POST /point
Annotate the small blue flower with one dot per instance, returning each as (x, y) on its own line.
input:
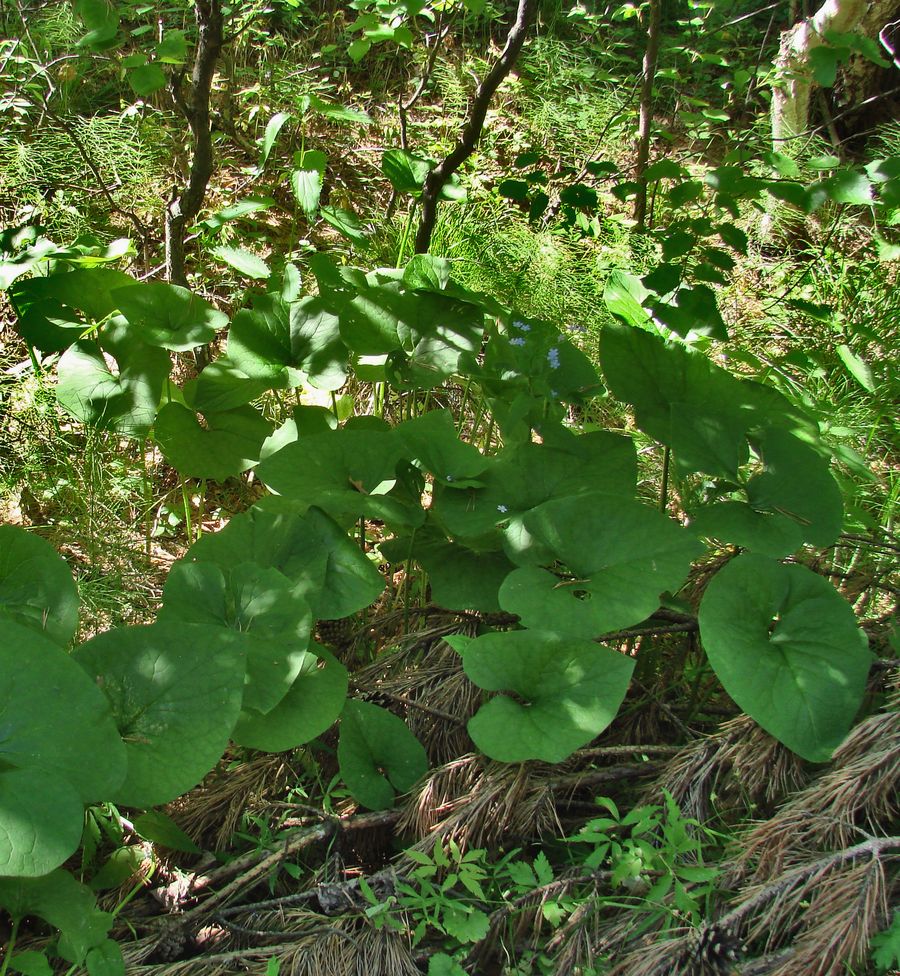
(502, 509)
(553, 357)
(517, 342)
(448, 477)
(554, 394)
(521, 326)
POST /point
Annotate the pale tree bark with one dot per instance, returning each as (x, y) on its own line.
(794, 83)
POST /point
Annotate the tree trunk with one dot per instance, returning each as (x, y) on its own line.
(186, 203)
(645, 121)
(471, 131)
(794, 84)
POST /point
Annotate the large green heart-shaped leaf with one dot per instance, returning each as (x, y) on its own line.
(786, 647)
(623, 556)
(36, 585)
(123, 397)
(228, 444)
(461, 577)
(49, 307)
(679, 397)
(270, 619)
(292, 338)
(64, 903)
(405, 171)
(797, 484)
(311, 549)
(572, 690)
(525, 476)
(309, 708)
(369, 322)
(168, 315)
(436, 333)
(222, 385)
(347, 472)
(58, 750)
(432, 441)
(378, 754)
(771, 534)
(175, 691)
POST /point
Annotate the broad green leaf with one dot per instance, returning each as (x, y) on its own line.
(622, 555)
(105, 959)
(172, 49)
(58, 750)
(289, 339)
(168, 315)
(786, 647)
(273, 127)
(338, 113)
(310, 549)
(168, 685)
(568, 691)
(406, 171)
(222, 385)
(347, 223)
(856, 367)
(146, 79)
(49, 307)
(624, 296)
(771, 534)
(432, 442)
(124, 401)
(307, 179)
(377, 754)
(36, 585)
(824, 62)
(310, 707)
(243, 208)
(30, 962)
(250, 265)
(797, 484)
(695, 311)
(160, 828)
(228, 443)
(270, 619)
(461, 576)
(437, 333)
(348, 473)
(525, 476)
(428, 272)
(846, 186)
(101, 20)
(680, 398)
(64, 903)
